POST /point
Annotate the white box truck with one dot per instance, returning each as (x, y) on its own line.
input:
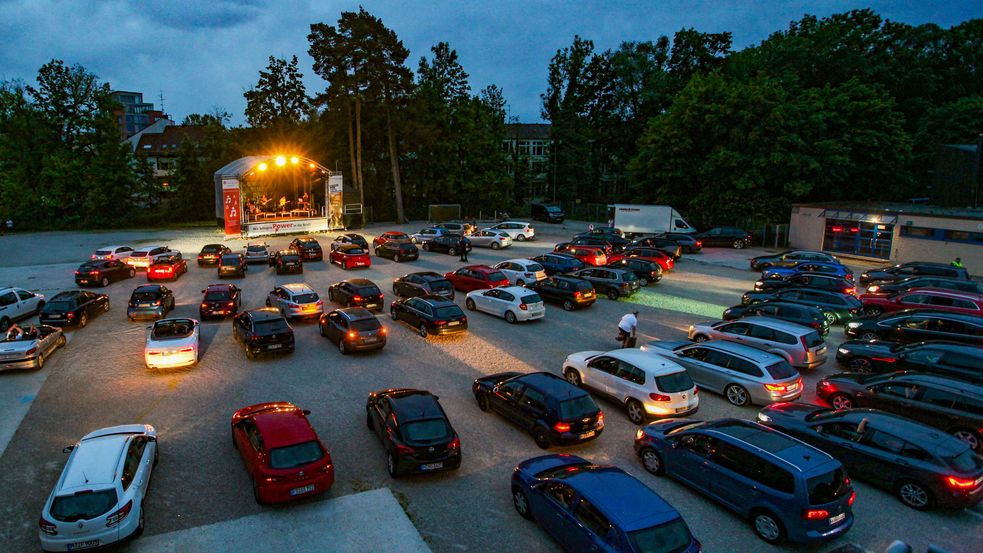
(636, 219)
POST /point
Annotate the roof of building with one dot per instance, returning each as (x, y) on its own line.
(529, 131)
(899, 208)
(166, 143)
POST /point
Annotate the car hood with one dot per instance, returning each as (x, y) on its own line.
(17, 346)
(172, 344)
(791, 411)
(537, 465)
(580, 358)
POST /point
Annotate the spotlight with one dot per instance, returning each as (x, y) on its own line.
(311, 165)
(294, 160)
(281, 161)
(262, 167)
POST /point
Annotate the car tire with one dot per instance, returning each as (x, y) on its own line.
(642, 281)
(133, 273)
(613, 294)
(738, 244)
(104, 282)
(568, 305)
(914, 495)
(510, 317)
(397, 258)
(140, 526)
(869, 336)
(342, 347)
(971, 438)
(737, 395)
(426, 246)
(572, 376)
(469, 303)
(422, 331)
(872, 310)
(841, 401)
(451, 251)
(542, 437)
(256, 493)
(700, 338)
(250, 354)
(859, 365)
(830, 317)
(767, 526)
(40, 361)
(62, 341)
(391, 467)
(83, 320)
(368, 420)
(4, 324)
(520, 238)
(495, 245)
(635, 411)
(393, 314)
(521, 503)
(652, 461)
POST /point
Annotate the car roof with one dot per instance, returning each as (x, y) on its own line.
(949, 345)
(521, 261)
(480, 268)
(94, 461)
(109, 247)
(298, 287)
(219, 287)
(516, 222)
(913, 431)
(778, 324)
(283, 426)
(551, 384)
(75, 294)
(148, 248)
(215, 246)
(777, 444)
(924, 264)
(621, 497)
(648, 361)
(515, 290)
(411, 405)
(436, 301)
(950, 384)
(356, 313)
(937, 313)
(948, 292)
(429, 276)
(748, 352)
(144, 288)
(265, 314)
(359, 282)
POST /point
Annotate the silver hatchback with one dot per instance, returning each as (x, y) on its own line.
(801, 346)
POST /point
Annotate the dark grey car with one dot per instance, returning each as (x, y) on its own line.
(614, 283)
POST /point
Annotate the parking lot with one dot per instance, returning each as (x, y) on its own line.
(99, 380)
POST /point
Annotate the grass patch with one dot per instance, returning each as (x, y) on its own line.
(677, 304)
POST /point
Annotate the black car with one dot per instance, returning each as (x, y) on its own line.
(350, 238)
(806, 280)
(287, 261)
(356, 292)
(308, 248)
(905, 284)
(894, 273)
(547, 213)
(559, 263)
(415, 431)
(430, 315)
(918, 325)
(353, 329)
(790, 258)
(666, 245)
(447, 243)
(211, 253)
(687, 242)
(922, 466)
(938, 357)
(727, 237)
(74, 307)
(551, 409)
(152, 301)
(950, 404)
(609, 243)
(102, 272)
(836, 307)
(232, 264)
(614, 283)
(263, 330)
(422, 284)
(398, 251)
(648, 272)
(219, 300)
(572, 293)
(792, 312)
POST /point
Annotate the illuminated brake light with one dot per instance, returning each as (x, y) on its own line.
(523, 307)
(659, 397)
(562, 427)
(357, 298)
(960, 483)
(383, 330)
(853, 496)
(576, 294)
(884, 359)
(782, 388)
(404, 450)
(187, 350)
(815, 514)
(352, 334)
(455, 444)
(118, 516)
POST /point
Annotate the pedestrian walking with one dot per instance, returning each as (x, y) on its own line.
(462, 245)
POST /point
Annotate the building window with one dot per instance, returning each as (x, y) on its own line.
(918, 232)
(858, 238)
(943, 235)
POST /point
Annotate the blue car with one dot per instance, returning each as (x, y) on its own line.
(815, 267)
(785, 488)
(559, 263)
(588, 507)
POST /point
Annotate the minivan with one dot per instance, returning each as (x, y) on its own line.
(801, 346)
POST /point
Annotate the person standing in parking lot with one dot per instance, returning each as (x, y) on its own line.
(462, 245)
(627, 328)
(957, 263)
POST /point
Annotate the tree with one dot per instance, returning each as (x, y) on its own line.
(279, 97)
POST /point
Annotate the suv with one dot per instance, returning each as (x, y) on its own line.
(446, 243)
(17, 304)
(415, 432)
(219, 300)
(732, 237)
(295, 300)
(551, 409)
(521, 272)
(904, 284)
(547, 213)
(422, 284)
(836, 307)
(263, 331)
(430, 315)
(141, 258)
(807, 280)
(790, 258)
(786, 488)
(150, 300)
(928, 298)
(100, 496)
(917, 325)
(688, 242)
(558, 263)
(232, 264)
(801, 346)
(647, 271)
(356, 292)
(615, 283)
(476, 277)
(915, 268)
(210, 254)
(307, 247)
(572, 293)
(397, 251)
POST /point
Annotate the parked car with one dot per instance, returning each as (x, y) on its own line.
(558, 263)
(427, 234)
(785, 311)
(518, 230)
(167, 267)
(211, 253)
(353, 329)
(513, 303)
(836, 307)
(905, 284)
(801, 346)
(102, 273)
(257, 252)
(112, 252)
(589, 507)
(296, 300)
(219, 300)
(232, 264)
(74, 307)
(287, 261)
(939, 299)
(810, 267)
(172, 344)
(893, 273)
(398, 251)
(476, 277)
(588, 255)
(494, 239)
(308, 248)
(570, 292)
(597, 231)
(459, 228)
(743, 374)
(422, 284)
(949, 404)
(547, 213)
(521, 271)
(610, 244)
(349, 238)
(30, 350)
(648, 272)
(17, 304)
(430, 315)
(142, 257)
(727, 237)
(550, 409)
(687, 242)
(654, 255)
(446, 243)
(645, 384)
(807, 280)
(613, 283)
(918, 325)
(416, 434)
(153, 301)
(944, 358)
(351, 256)
(784, 487)
(390, 235)
(356, 292)
(263, 330)
(669, 247)
(281, 451)
(99, 498)
(790, 258)
(920, 465)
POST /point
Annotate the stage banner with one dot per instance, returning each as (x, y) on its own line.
(232, 206)
(286, 227)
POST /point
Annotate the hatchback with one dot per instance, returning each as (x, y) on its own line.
(476, 277)
(422, 284)
(447, 243)
(801, 346)
(430, 315)
(286, 261)
(232, 264)
(210, 254)
(513, 303)
(790, 312)
(588, 255)
(172, 344)
(397, 251)
(353, 329)
(558, 263)
(521, 272)
(74, 307)
(219, 300)
(688, 242)
(645, 384)
(494, 239)
(939, 357)
(588, 507)
(112, 252)
(167, 267)
(102, 273)
(425, 235)
(296, 300)
(924, 298)
(308, 248)
(390, 235)
(350, 256)
(415, 432)
(349, 238)
(786, 488)
(459, 228)
(648, 272)
(152, 301)
(142, 257)
(572, 293)
(518, 230)
(356, 292)
(644, 246)
(652, 255)
(613, 283)
(894, 273)
(836, 307)
(918, 325)
(263, 331)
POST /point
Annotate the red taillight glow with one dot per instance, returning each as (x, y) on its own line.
(851, 291)
(782, 388)
(853, 496)
(404, 450)
(815, 514)
(455, 444)
(696, 390)
(383, 330)
(438, 323)
(233, 304)
(523, 307)
(884, 359)
(118, 516)
(48, 527)
(660, 397)
(699, 242)
(576, 294)
(187, 350)
(204, 305)
(960, 483)
(357, 298)
(562, 427)
(352, 334)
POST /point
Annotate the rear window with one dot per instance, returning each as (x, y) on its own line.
(449, 312)
(354, 251)
(535, 267)
(272, 326)
(496, 275)
(140, 253)
(675, 382)
(813, 339)
(426, 430)
(365, 325)
(828, 487)
(61, 305)
(256, 249)
(671, 537)
(173, 330)
(84, 506)
(368, 291)
(306, 298)
(145, 296)
(217, 296)
(583, 286)
(295, 455)
(230, 259)
(967, 461)
(103, 252)
(781, 370)
(577, 407)
(531, 298)
(440, 285)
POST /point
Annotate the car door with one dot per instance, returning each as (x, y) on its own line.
(687, 459)
(592, 530)
(380, 413)
(505, 301)
(895, 397)
(600, 373)
(548, 289)
(735, 332)
(411, 315)
(27, 302)
(693, 359)
(276, 297)
(504, 399)
(717, 373)
(734, 473)
(554, 505)
(877, 452)
(625, 381)
(840, 439)
(934, 407)
(530, 408)
(10, 306)
(337, 325)
(483, 300)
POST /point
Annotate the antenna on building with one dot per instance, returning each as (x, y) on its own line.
(160, 96)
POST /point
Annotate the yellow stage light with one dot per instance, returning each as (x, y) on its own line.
(281, 161)
(311, 165)
(262, 167)
(294, 160)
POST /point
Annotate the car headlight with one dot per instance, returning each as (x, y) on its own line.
(763, 417)
(853, 324)
(844, 351)
(639, 433)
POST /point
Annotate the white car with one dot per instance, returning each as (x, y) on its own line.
(647, 384)
(514, 303)
(522, 271)
(296, 300)
(31, 349)
(99, 497)
(17, 304)
(112, 252)
(518, 230)
(172, 343)
(257, 252)
(494, 239)
(142, 257)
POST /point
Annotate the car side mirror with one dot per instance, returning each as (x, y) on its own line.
(67, 449)
(674, 444)
(495, 389)
(306, 411)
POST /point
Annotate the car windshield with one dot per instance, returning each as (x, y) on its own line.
(671, 537)
(306, 298)
(965, 462)
(272, 326)
(83, 506)
(218, 296)
(813, 339)
(531, 298)
(295, 455)
(449, 312)
(353, 251)
(368, 291)
(173, 330)
(166, 261)
(781, 370)
(828, 487)
(535, 267)
(675, 382)
(230, 259)
(496, 275)
(365, 325)
(582, 406)
(145, 296)
(426, 430)
(397, 236)
(440, 285)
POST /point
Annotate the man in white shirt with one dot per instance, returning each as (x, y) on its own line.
(626, 329)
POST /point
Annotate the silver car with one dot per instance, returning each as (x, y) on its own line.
(296, 300)
(494, 239)
(801, 346)
(426, 235)
(743, 374)
(30, 350)
(257, 252)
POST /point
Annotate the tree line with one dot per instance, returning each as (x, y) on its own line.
(846, 107)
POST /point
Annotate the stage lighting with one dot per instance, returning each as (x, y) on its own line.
(311, 165)
(294, 160)
(262, 167)
(281, 161)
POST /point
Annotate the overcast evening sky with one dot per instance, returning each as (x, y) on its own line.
(203, 54)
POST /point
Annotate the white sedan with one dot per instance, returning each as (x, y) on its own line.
(172, 343)
(513, 303)
(518, 230)
(112, 252)
(522, 271)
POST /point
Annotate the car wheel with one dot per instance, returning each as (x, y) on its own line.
(738, 244)
(139, 531)
(521, 503)
(426, 246)
(873, 311)
(469, 303)
(4, 324)
(320, 330)
(342, 347)
(573, 377)
(700, 338)
(568, 305)
(61, 341)
(451, 251)
(642, 281)
(652, 461)
(737, 395)
(495, 245)
(393, 314)
(542, 437)
(40, 361)
(368, 420)
(104, 282)
(869, 336)
(105, 306)
(249, 353)
(391, 465)
(256, 493)
(914, 495)
(397, 258)
(268, 304)
(841, 401)
(423, 330)
(520, 238)
(132, 273)
(768, 527)
(859, 365)
(971, 438)
(510, 317)
(83, 320)
(613, 294)
(482, 401)
(635, 411)
(830, 318)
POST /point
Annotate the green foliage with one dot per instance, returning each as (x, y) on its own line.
(279, 97)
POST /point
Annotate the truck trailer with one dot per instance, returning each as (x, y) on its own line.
(637, 219)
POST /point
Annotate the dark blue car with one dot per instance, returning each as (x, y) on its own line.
(786, 488)
(559, 263)
(815, 267)
(588, 507)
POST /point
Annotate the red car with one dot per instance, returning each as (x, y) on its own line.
(350, 255)
(924, 298)
(167, 267)
(660, 258)
(476, 277)
(390, 235)
(281, 451)
(591, 255)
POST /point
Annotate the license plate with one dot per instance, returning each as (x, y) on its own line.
(586, 435)
(837, 518)
(453, 323)
(83, 545)
(372, 305)
(682, 409)
(432, 466)
(369, 339)
(274, 346)
(55, 315)
(305, 489)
